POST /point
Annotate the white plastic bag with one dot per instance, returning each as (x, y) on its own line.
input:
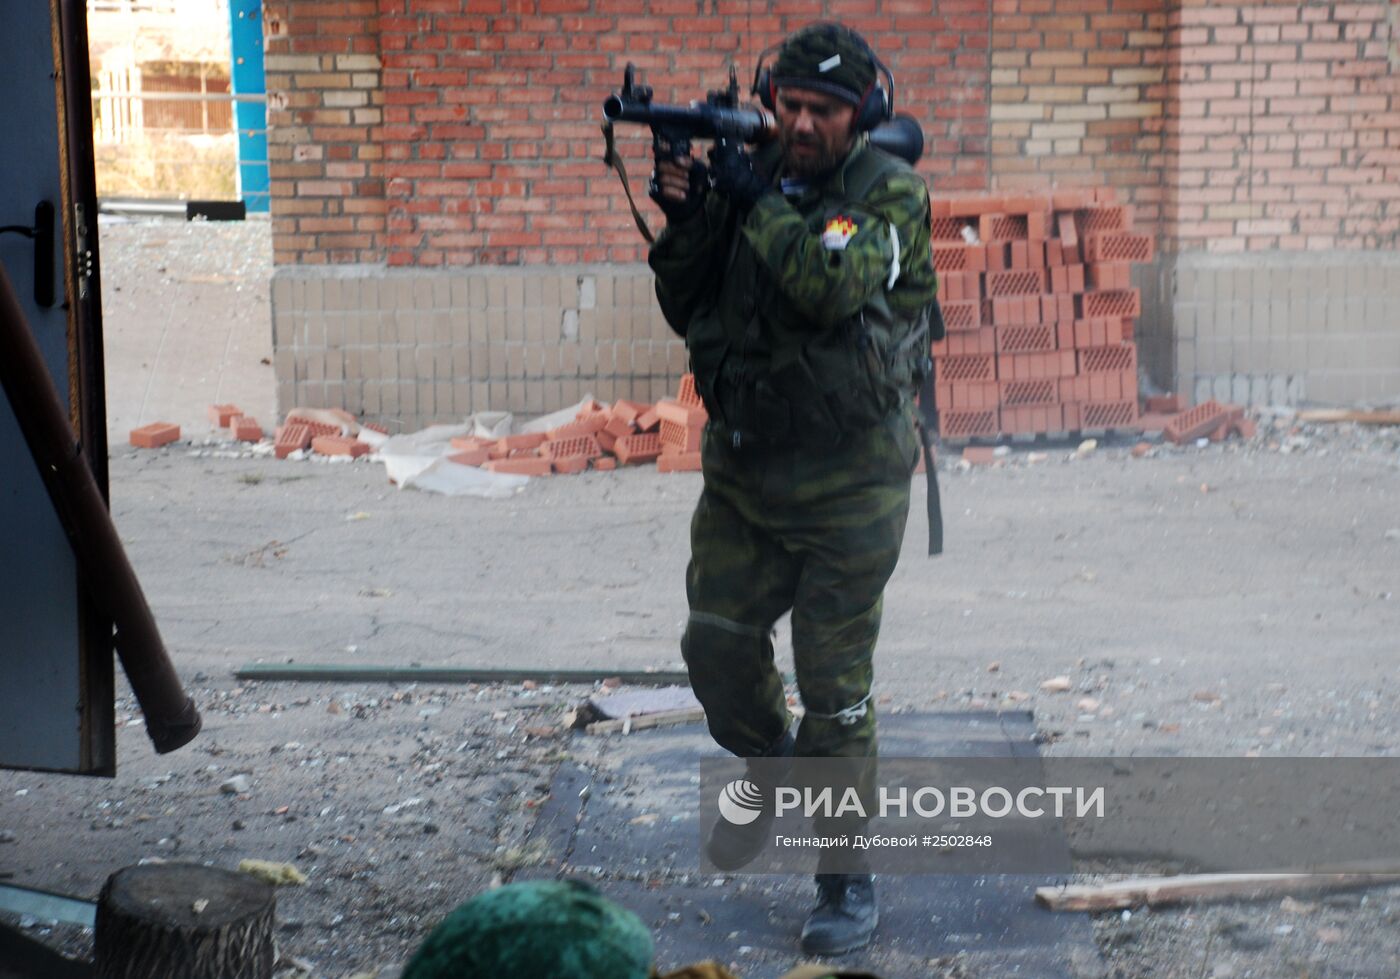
(419, 460)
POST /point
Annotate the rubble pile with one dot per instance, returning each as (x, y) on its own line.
(599, 437)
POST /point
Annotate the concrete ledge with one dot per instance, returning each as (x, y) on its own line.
(418, 346)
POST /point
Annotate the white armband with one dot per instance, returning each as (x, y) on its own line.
(894, 262)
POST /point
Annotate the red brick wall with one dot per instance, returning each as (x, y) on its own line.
(1284, 126)
(461, 132)
(1078, 97)
(324, 118)
(477, 140)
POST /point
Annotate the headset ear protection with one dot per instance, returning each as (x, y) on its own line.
(875, 107)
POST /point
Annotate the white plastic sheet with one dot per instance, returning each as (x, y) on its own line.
(419, 459)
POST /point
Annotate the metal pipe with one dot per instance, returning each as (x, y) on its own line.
(172, 720)
(151, 96)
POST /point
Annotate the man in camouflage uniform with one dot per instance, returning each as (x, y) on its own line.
(801, 280)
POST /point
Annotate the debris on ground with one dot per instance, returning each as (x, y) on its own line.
(624, 711)
(624, 703)
(154, 435)
(277, 874)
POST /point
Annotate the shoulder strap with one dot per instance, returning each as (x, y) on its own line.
(867, 170)
(614, 161)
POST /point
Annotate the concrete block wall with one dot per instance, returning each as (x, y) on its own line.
(1286, 327)
(419, 346)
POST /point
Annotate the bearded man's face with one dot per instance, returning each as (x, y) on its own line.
(816, 130)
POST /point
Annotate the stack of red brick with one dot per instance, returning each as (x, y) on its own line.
(1039, 307)
(600, 437)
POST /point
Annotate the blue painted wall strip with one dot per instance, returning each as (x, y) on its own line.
(245, 34)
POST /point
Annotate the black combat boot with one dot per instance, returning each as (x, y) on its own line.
(845, 916)
(731, 847)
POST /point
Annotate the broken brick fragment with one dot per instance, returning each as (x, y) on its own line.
(678, 462)
(585, 425)
(571, 465)
(471, 457)
(339, 445)
(317, 428)
(510, 445)
(579, 447)
(154, 435)
(292, 437)
(524, 466)
(628, 411)
(679, 413)
(1165, 403)
(221, 415)
(638, 448)
(619, 425)
(1199, 421)
(245, 429)
(679, 438)
(687, 393)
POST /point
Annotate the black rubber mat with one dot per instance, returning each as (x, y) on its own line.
(622, 813)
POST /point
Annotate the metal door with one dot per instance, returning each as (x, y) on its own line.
(56, 667)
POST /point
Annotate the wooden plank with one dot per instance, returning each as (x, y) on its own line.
(1391, 417)
(665, 718)
(1157, 891)
(339, 672)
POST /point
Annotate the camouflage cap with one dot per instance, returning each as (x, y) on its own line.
(536, 929)
(829, 58)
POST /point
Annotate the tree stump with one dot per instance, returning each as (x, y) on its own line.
(176, 919)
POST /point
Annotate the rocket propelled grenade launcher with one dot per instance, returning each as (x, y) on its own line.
(721, 118)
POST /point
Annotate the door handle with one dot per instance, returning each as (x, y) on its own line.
(42, 235)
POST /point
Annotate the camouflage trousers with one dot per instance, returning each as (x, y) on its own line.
(813, 530)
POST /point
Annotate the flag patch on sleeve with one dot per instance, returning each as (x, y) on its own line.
(839, 230)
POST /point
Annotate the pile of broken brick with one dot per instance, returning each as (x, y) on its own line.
(1209, 420)
(626, 433)
(600, 437)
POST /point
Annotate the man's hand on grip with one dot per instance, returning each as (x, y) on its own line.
(734, 175)
(679, 182)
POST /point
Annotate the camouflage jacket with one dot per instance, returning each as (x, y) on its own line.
(810, 313)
